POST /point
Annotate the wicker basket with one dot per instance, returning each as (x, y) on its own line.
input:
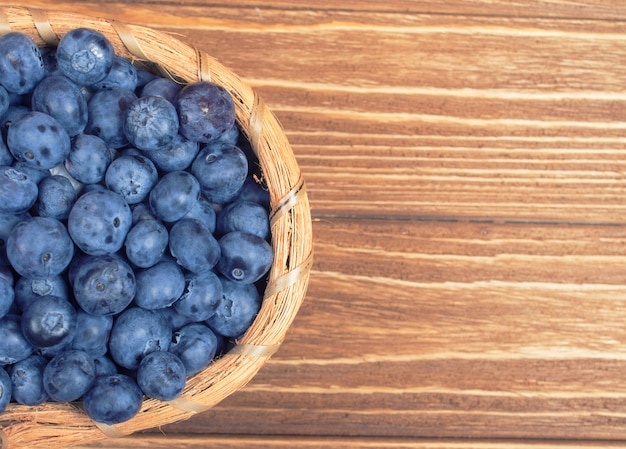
(54, 425)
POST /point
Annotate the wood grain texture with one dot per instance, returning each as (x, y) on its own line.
(465, 163)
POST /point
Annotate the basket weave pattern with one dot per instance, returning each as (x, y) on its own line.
(52, 425)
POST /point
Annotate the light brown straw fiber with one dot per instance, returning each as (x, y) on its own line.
(53, 425)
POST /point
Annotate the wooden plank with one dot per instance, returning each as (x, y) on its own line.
(278, 442)
(602, 9)
(459, 330)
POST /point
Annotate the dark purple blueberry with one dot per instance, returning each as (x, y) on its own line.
(146, 243)
(99, 222)
(18, 191)
(107, 112)
(161, 375)
(39, 247)
(56, 197)
(27, 380)
(178, 155)
(245, 216)
(163, 87)
(221, 170)
(104, 366)
(6, 389)
(92, 333)
(239, 305)
(122, 74)
(69, 375)
(7, 223)
(85, 56)
(136, 333)
(29, 290)
(7, 296)
(205, 111)
(174, 195)
(196, 346)
(58, 96)
(131, 176)
(49, 321)
(201, 295)
(151, 123)
(103, 284)
(89, 159)
(113, 399)
(39, 140)
(244, 258)
(160, 285)
(21, 63)
(194, 246)
(204, 212)
(13, 346)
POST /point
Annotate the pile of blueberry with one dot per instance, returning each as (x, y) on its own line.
(134, 230)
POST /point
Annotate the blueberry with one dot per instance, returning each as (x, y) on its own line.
(103, 284)
(18, 191)
(160, 285)
(136, 333)
(221, 170)
(56, 197)
(146, 243)
(6, 158)
(174, 195)
(205, 110)
(29, 290)
(239, 305)
(151, 123)
(6, 274)
(7, 223)
(99, 222)
(107, 112)
(177, 155)
(6, 389)
(175, 319)
(21, 63)
(14, 112)
(13, 346)
(104, 366)
(85, 56)
(161, 375)
(34, 173)
(88, 159)
(142, 211)
(113, 399)
(58, 96)
(244, 258)
(204, 212)
(163, 87)
(39, 247)
(7, 295)
(245, 216)
(27, 380)
(122, 74)
(194, 246)
(200, 297)
(48, 321)
(92, 333)
(69, 375)
(38, 140)
(132, 177)
(5, 101)
(196, 346)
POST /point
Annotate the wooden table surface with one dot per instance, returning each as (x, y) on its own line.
(466, 167)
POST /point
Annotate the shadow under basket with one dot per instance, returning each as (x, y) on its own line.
(56, 425)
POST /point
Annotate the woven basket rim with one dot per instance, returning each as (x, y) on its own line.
(62, 425)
